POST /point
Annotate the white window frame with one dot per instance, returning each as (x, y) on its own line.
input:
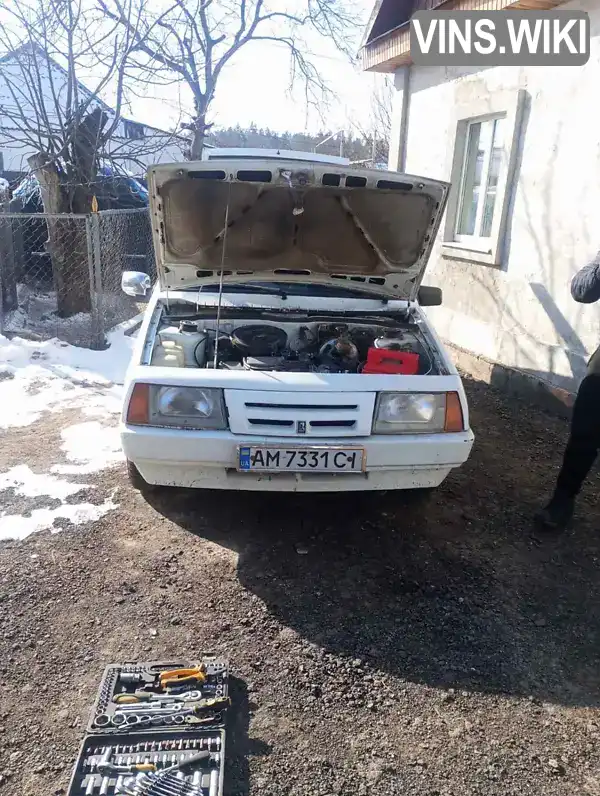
(488, 250)
(476, 241)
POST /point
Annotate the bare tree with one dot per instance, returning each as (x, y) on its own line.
(63, 129)
(381, 107)
(381, 118)
(193, 41)
(43, 103)
(377, 126)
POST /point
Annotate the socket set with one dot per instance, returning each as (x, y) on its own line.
(173, 695)
(190, 764)
(156, 729)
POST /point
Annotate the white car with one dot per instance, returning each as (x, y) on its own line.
(284, 347)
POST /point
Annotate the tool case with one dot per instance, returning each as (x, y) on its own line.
(147, 721)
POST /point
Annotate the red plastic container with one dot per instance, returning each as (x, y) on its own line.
(384, 360)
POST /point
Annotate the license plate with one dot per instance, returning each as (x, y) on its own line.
(300, 460)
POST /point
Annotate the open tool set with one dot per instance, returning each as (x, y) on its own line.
(156, 729)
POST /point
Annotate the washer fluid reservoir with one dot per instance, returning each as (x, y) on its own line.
(168, 354)
(179, 344)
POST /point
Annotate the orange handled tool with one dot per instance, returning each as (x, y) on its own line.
(182, 676)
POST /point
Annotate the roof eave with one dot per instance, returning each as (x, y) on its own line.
(392, 49)
(369, 26)
(388, 51)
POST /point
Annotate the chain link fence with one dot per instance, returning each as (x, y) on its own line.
(121, 241)
(60, 275)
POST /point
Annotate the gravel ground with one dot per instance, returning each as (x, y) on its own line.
(378, 646)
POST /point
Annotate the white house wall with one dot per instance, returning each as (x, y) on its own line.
(153, 148)
(18, 102)
(521, 314)
(156, 147)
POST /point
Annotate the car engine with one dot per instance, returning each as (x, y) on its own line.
(311, 347)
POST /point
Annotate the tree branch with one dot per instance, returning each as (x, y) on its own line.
(141, 40)
(195, 40)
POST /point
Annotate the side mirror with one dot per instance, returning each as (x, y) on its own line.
(135, 283)
(429, 296)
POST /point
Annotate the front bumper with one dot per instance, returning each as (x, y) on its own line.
(208, 460)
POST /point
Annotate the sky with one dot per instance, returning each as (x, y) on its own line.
(255, 88)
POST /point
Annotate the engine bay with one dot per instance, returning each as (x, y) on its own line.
(352, 346)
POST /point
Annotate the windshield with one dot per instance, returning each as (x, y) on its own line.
(291, 289)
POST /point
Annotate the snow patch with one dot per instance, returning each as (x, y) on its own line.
(90, 447)
(30, 484)
(15, 526)
(52, 375)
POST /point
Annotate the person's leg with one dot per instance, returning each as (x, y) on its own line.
(580, 454)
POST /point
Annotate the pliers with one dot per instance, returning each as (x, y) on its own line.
(176, 677)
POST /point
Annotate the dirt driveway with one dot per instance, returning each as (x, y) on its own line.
(378, 648)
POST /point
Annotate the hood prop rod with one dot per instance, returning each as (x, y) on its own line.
(224, 246)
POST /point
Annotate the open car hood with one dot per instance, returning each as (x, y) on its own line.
(281, 220)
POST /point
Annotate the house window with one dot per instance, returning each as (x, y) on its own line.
(482, 159)
(134, 131)
(479, 179)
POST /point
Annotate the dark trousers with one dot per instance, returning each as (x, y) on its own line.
(584, 441)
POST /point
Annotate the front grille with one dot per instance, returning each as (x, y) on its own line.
(257, 421)
(299, 414)
(321, 407)
(332, 423)
(270, 421)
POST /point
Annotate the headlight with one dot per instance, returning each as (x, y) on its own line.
(410, 413)
(188, 407)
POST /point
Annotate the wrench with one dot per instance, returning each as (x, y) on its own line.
(147, 696)
(145, 708)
